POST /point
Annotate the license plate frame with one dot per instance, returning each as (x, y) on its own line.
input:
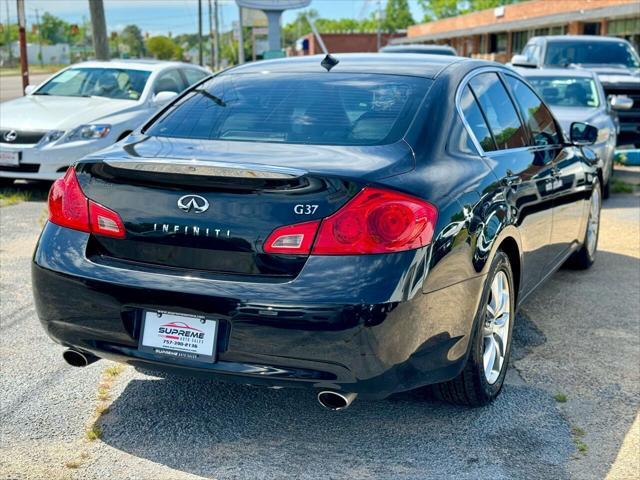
(179, 336)
(9, 158)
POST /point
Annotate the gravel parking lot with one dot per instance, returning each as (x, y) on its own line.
(569, 408)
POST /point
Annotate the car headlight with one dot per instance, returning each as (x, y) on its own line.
(88, 132)
(51, 136)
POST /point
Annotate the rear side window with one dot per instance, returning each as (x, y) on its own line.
(169, 81)
(499, 111)
(323, 109)
(475, 120)
(193, 75)
(535, 113)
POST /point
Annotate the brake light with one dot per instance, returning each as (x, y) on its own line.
(70, 208)
(293, 239)
(377, 221)
(374, 221)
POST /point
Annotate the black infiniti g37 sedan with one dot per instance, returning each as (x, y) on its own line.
(359, 230)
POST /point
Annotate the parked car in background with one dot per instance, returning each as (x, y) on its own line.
(420, 48)
(614, 61)
(577, 96)
(363, 231)
(81, 109)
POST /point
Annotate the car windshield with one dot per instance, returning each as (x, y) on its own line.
(565, 53)
(116, 83)
(323, 109)
(567, 91)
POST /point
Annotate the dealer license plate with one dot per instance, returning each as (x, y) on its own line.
(179, 336)
(9, 158)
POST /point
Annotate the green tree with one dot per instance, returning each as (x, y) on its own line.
(397, 16)
(436, 9)
(53, 29)
(163, 48)
(131, 36)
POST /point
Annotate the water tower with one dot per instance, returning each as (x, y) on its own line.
(273, 10)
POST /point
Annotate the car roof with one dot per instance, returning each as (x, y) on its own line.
(555, 72)
(578, 38)
(415, 64)
(135, 64)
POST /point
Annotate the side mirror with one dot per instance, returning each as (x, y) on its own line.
(162, 98)
(522, 61)
(620, 102)
(30, 89)
(582, 134)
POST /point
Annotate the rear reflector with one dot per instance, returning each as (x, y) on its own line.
(293, 239)
(374, 221)
(70, 208)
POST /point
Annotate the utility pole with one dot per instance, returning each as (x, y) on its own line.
(22, 36)
(211, 42)
(99, 29)
(7, 36)
(216, 44)
(240, 37)
(200, 51)
(39, 38)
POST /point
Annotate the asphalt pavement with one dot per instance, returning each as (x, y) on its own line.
(11, 85)
(576, 339)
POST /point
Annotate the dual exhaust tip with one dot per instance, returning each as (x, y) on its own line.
(78, 359)
(329, 399)
(335, 401)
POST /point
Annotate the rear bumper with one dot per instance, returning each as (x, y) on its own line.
(358, 324)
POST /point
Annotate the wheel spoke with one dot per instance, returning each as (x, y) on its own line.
(489, 356)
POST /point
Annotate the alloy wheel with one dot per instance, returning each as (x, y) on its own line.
(496, 327)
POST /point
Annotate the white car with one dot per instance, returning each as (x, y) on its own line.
(81, 109)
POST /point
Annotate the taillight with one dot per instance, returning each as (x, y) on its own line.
(377, 221)
(70, 208)
(293, 239)
(374, 221)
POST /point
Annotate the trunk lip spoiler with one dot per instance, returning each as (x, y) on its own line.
(207, 168)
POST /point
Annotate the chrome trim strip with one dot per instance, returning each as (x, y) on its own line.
(206, 168)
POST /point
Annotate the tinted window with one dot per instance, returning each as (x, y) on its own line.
(336, 109)
(499, 111)
(530, 52)
(567, 91)
(567, 52)
(97, 82)
(474, 118)
(193, 75)
(169, 81)
(535, 113)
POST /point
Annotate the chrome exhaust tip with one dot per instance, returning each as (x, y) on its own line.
(78, 359)
(335, 400)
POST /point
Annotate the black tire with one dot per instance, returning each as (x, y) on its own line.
(584, 258)
(471, 386)
(6, 182)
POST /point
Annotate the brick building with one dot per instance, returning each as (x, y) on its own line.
(343, 43)
(499, 33)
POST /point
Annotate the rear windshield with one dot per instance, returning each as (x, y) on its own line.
(567, 91)
(565, 53)
(321, 109)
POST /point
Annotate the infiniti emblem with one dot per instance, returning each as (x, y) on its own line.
(11, 135)
(193, 202)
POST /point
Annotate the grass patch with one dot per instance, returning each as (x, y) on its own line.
(93, 433)
(560, 398)
(113, 371)
(578, 434)
(618, 186)
(33, 70)
(11, 196)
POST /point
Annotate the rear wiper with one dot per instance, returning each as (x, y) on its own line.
(217, 100)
